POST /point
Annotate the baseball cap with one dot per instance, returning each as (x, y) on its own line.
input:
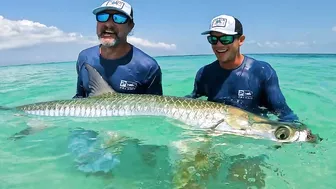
(225, 24)
(117, 5)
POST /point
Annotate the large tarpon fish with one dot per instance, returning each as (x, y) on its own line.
(199, 114)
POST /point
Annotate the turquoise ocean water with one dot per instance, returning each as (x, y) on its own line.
(148, 158)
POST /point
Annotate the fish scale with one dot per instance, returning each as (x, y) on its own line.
(104, 101)
(193, 112)
(197, 114)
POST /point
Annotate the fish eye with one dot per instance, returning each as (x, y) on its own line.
(282, 133)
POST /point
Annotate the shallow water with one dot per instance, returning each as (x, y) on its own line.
(148, 157)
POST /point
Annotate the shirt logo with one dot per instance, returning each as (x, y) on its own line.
(219, 22)
(128, 85)
(117, 4)
(245, 94)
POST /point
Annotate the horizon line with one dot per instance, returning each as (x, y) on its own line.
(181, 55)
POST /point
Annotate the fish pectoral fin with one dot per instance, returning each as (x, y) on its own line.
(98, 86)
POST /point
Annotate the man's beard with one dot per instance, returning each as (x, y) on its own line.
(109, 42)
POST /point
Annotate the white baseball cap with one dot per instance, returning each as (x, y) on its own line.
(225, 24)
(117, 5)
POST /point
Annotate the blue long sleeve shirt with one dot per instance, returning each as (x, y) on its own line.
(136, 72)
(253, 86)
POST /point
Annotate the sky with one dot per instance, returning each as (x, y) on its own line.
(37, 31)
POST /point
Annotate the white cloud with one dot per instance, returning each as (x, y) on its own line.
(251, 42)
(146, 43)
(272, 44)
(298, 43)
(278, 44)
(26, 33)
(333, 28)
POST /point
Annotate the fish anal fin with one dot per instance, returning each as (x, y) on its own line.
(98, 86)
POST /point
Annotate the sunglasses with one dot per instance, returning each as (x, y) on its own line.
(224, 39)
(117, 18)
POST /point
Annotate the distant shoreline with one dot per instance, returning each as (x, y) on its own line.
(190, 55)
(250, 54)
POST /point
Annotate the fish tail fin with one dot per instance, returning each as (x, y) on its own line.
(34, 126)
(23, 133)
(3, 108)
(20, 134)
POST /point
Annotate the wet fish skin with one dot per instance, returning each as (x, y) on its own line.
(190, 111)
(198, 114)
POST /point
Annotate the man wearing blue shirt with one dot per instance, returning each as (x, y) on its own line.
(126, 68)
(241, 81)
(237, 79)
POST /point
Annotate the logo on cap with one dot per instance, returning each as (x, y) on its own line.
(118, 4)
(219, 22)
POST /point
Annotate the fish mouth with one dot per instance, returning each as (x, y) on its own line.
(311, 138)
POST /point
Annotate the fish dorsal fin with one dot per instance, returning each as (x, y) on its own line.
(98, 86)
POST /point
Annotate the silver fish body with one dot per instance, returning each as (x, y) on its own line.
(197, 113)
(200, 114)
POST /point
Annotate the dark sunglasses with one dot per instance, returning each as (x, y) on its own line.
(224, 39)
(118, 18)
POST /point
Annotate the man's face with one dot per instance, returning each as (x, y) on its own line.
(113, 28)
(226, 52)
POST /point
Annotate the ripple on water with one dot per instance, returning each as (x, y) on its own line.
(42, 160)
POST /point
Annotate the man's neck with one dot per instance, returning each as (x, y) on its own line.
(115, 52)
(234, 63)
